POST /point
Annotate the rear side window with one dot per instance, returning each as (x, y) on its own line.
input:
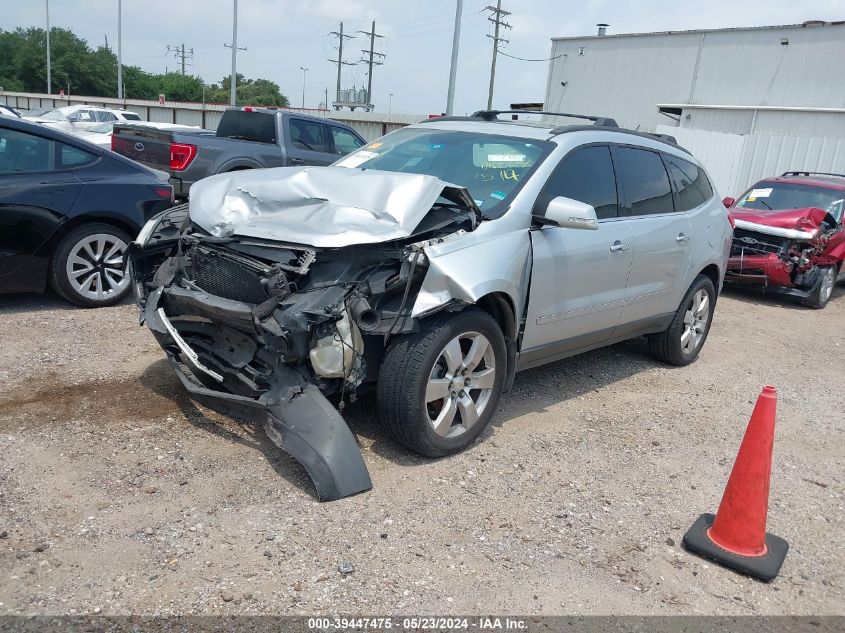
(73, 157)
(104, 117)
(308, 135)
(131, 116)
(259, 127)
(21, 152)
(692, 189)
(344, 140)
(644, 181)
(585, 175)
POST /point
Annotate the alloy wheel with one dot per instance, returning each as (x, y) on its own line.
(828, 281)
(95, 267)
(460, 385)
(695, 321)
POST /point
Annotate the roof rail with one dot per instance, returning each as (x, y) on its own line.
(493, 115)
(810, 173)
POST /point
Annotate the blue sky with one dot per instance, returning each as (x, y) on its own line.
(282, 35)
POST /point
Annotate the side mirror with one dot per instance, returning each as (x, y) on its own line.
(569, 214)
(728, 202)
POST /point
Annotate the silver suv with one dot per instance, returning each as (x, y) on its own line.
(429, 266)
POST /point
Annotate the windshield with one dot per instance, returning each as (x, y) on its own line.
(782, 196)
(492, 168)
(54, 115)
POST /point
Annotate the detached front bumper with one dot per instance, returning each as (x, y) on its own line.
(769, 274)
(294, 412)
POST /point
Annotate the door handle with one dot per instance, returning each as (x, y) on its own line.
(682, 237)
(618, 247)
(296, 161)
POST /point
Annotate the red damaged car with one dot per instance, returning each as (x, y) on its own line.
(789, 236)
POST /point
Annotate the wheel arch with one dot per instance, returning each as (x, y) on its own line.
(713, 273)
(499, 305)
(81, 220)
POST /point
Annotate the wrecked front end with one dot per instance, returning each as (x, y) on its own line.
(783, 253)
(276, 333)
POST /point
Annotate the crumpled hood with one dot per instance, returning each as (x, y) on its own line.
(317, 206)
(806, 220)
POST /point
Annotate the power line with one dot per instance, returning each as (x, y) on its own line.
(496, 15)
(181, 55)
(371, 62)
(339, 61)
(523, 59)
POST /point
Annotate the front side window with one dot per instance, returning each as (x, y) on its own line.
(308, 135)
(21, 152)
(585, 175)
(491, 167)
(344, 140)
(644, 181)
(690, 183)
(104, 117)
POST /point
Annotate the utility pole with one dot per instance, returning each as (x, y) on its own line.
(304, 70)
(496, 15)
(233, 87)
(339, 61)
(370, 63)
(119, 49)
(180, 54)
(453, 69)
(49, 75)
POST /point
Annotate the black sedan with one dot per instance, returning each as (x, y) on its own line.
(68, 210)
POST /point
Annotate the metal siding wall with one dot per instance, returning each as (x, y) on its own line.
(627, 76)
(369, 125)
(735, 162)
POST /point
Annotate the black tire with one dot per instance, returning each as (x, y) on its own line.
(404, 377)
(59, 276)
(824, 289)
(666, 346)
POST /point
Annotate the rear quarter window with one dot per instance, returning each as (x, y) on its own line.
(692, 189)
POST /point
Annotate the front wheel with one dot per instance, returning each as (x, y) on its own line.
(438, 388)
(824, 288)
(680, 343)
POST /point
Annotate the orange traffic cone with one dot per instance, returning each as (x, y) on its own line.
(736, 537)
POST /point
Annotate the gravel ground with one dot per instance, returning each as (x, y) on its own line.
(119, 495)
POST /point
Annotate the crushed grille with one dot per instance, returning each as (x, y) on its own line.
(223, 277)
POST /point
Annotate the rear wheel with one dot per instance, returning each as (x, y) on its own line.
(680, 343)
(824, 288)
(438, 389)
(87, 267)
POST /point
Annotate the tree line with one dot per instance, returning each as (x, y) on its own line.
(78, 69)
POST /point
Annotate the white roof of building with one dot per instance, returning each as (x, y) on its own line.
(804, 25)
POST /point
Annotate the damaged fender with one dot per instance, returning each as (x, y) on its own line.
(467, 269)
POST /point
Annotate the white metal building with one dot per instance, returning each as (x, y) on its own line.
(749, 102)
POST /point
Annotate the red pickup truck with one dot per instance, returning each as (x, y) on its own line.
(789, 236)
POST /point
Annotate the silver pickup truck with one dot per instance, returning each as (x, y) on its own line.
(247, 138)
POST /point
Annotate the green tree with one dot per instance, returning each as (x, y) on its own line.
(258, 92)
(93, 72)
